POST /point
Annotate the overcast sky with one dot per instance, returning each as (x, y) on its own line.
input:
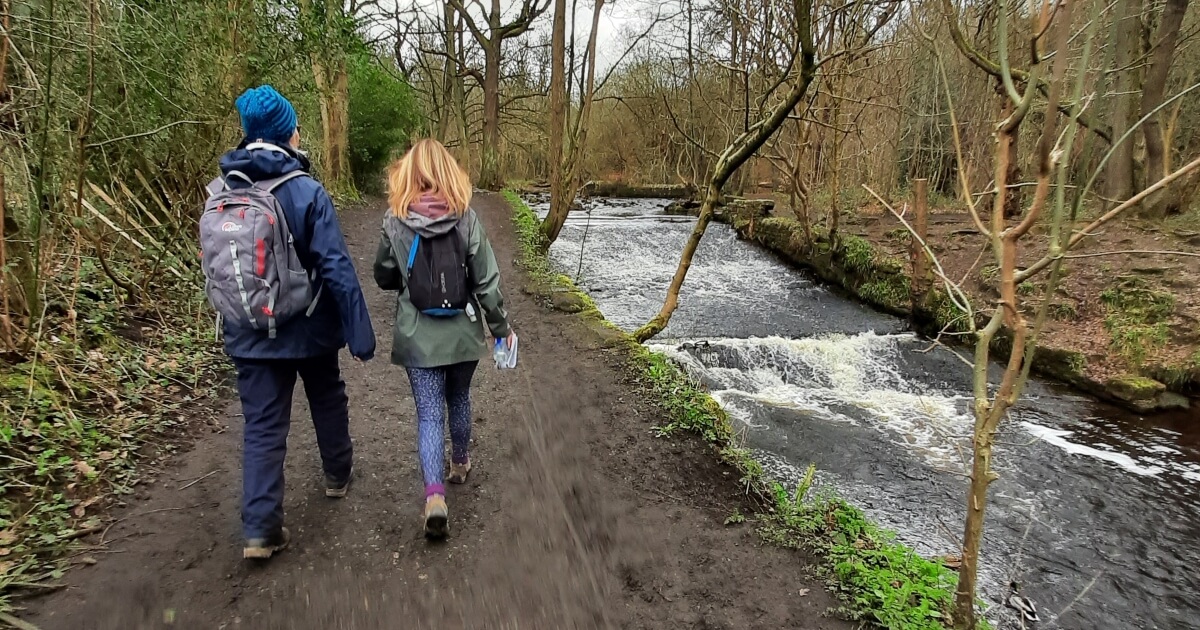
(618, 19)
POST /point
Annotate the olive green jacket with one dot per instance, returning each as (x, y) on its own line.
(421, 341)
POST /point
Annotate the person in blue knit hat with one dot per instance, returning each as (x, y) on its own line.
(267, 116)
(306, 346)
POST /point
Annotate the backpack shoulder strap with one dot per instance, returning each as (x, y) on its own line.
(270, 185)
(412, 251)
(215, 186)
(465, 224)
(400, 236)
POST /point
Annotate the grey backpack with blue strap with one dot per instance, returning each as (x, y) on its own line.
(252, 274)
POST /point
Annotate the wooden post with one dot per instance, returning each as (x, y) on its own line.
(920, 260)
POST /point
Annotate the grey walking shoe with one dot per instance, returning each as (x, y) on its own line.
(264, 548)
(335, 489)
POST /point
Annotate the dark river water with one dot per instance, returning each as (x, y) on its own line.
(1096, 514)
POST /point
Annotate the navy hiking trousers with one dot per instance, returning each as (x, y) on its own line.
(265, 387)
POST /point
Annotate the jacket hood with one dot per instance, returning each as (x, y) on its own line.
(430, 217)
(261, 161)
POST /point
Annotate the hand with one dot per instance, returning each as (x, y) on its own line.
(512, 334)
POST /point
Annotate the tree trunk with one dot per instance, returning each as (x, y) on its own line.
(973, 530)
(576, 142)
(449, 74)
(560, 205)
(1165, 41)
(712, 194)
(330, 73)
(334, 95)
(459, 102)
(489, 173)
(1119, 173)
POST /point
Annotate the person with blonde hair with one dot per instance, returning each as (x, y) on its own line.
(435, 254)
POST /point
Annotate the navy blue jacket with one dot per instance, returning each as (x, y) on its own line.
(341, 315)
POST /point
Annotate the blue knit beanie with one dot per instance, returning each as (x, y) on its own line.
(266, 115)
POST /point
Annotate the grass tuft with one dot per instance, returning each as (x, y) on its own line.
(1137, 319)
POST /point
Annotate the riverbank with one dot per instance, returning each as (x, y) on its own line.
(879, 580)
(1118, 336)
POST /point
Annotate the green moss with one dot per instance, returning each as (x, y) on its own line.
(891, 292)
(1134, 388)
(76, 414)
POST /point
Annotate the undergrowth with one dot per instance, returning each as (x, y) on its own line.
(884, 582)
(1137, 318)
(91, 396)
(881, 581)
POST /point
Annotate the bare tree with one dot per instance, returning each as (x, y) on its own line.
(565, 152)
(803, 66)
(491, 37)
(1005, 234)
(1165, 41)
(324, 26)
(1127, 67)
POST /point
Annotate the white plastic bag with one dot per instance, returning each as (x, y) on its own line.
(505, 354)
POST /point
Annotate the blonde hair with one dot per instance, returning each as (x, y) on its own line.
(427, 168)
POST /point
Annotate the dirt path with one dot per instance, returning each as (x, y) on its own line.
(575, 517)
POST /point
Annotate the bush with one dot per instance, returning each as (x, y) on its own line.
(383, 116)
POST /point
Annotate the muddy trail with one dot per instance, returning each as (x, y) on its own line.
(575, 515)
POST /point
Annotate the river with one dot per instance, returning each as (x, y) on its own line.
(1096, 515)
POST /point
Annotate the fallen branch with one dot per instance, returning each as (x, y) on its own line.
(1133, 201)
(198, 480)
(1149, 252)
(147, 133)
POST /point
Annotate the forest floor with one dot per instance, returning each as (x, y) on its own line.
(575, 515)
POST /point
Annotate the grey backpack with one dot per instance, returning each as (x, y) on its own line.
(252, 275)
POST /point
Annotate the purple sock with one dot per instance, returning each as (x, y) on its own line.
(460, 460)
(435, 488)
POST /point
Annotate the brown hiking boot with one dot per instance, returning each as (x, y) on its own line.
(437, 517)
(459, 472)
(264, 548)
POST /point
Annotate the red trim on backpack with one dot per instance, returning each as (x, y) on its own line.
(260, 256)
(268, 312)
(270, 218)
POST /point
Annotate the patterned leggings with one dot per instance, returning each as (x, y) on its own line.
(435, 389)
